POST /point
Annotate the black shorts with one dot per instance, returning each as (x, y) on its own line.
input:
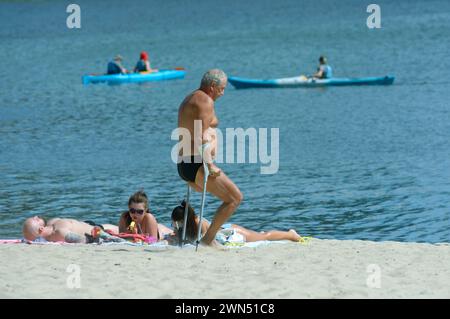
(188, 167)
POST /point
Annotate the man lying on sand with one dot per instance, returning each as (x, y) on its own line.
(61, 229)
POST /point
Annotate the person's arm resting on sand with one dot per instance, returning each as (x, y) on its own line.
(69, 236)
(151, 225)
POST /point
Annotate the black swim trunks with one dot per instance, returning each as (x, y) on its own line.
(188, 167)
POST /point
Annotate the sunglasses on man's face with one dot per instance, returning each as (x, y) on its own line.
(136, 211)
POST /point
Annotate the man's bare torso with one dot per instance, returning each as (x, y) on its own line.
(63, 226)
(194, 107)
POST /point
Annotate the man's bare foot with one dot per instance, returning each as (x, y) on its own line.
(213, 244)
(295, 236)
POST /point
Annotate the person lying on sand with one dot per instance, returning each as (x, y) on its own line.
(61, 229)
(139, 220)
(248, 235)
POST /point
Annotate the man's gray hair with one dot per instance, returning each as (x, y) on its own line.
(214, 76)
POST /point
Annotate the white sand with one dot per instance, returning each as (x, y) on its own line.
(320, 269)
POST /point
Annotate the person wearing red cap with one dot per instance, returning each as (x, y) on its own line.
(143, 65)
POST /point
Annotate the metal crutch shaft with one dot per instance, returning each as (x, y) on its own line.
(205, 180)
(183, 237)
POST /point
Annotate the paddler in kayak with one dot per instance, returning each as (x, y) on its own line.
(116, 67)
(324, 71)
(143, 65)
(199, 106)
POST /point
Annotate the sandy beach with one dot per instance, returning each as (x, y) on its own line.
(319, 269)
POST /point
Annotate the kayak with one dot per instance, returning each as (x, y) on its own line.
(302, 81)
(160, 75)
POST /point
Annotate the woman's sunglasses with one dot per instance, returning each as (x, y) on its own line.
(136, 211)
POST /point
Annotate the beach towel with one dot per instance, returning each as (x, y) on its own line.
(230, 242)
(98, 235)
(230, 236)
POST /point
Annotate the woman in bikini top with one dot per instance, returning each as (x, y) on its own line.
(139, 213)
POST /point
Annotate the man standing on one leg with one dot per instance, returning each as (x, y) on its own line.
(198, 109)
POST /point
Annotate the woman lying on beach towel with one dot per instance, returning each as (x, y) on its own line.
(61, 229)
(139, 220)
(247, 235)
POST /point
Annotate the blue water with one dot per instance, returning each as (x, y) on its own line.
(355, 162)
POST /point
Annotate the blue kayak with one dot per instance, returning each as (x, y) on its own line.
(160, 75)
(302, 81)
